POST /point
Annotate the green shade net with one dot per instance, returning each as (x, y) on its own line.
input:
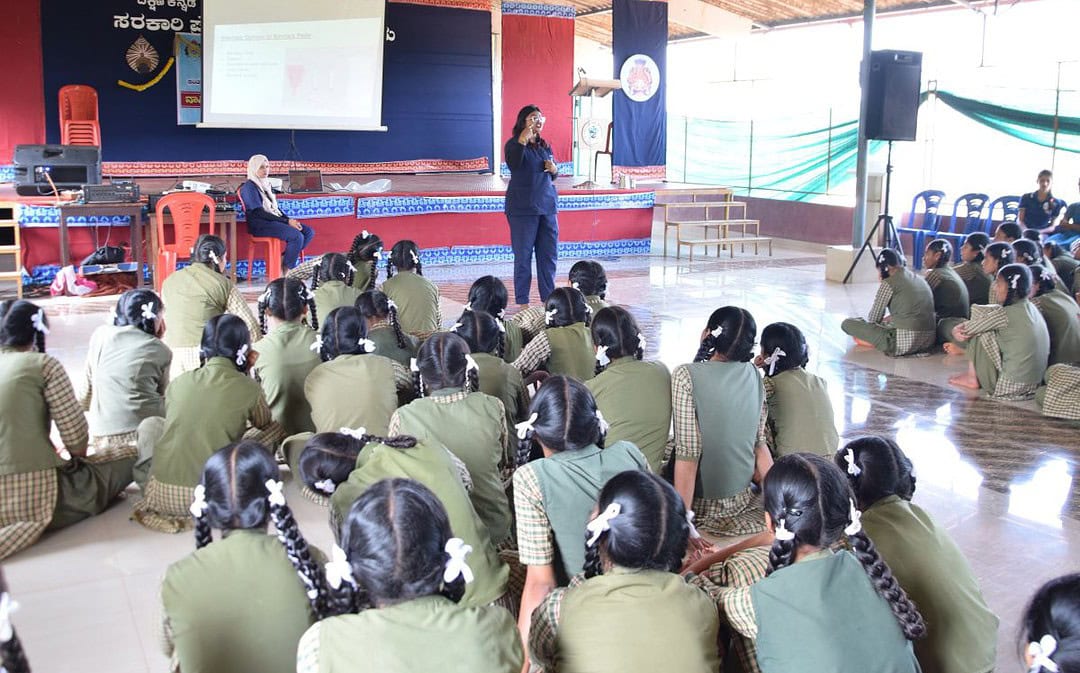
(1033, 127)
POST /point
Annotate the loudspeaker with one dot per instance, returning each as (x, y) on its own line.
(892, 106)
(69, 166)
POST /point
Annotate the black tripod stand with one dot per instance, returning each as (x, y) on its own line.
(892, 240)
(293, 154)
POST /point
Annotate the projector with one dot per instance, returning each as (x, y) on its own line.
(194, 186)
(276, 184)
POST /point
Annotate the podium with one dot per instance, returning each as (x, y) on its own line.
(592, 88)
(595, 87)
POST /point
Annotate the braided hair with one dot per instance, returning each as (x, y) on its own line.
(238, 498)
(332, 266)
(209, 250)
(1027, 252)
(130, 310)
(226, 336)
(877, 469)
(650, 531)
(488, 294)
(589, 277)
(943, 249)
(375, 305)
(729, 333)
(404, 256)
(810, 497)
(285, 299)
(442, 363)
(791, 342)
(1054, 611)
(998, 255)
(614, 328)
(23, 323)
(331, 456)
(977, 243)
(12, 657)
(569, 307)
(343, 332)
(567, 419)
(1043, 279)
(394, 538)
(482, 332)
(1017, 280)
(888, 259)
(366, 248)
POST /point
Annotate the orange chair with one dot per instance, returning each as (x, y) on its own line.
(186, 210)
(273, 256)
(79, 123)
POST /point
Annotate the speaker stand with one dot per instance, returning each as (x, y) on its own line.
(293, 153)
(892, 239)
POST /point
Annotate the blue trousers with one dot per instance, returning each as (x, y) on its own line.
(295, 241)
(539, 233)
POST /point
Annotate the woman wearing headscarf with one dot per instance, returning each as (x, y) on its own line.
(264, 217)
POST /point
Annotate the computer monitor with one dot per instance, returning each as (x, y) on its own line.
(305, 182)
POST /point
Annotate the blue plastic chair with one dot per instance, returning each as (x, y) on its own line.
(1010, 206)
(972, 221)
(931, 199)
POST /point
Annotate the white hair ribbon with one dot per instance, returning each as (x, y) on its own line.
(602, 357)
(456, 326)
(502, 327)
(1014, 281)
(456, 567)
(470, 363)
(641, 341)
(1040, 653)
(317, 344)
(365, 234)
(213, 257)
(782, 533)
(38, 321)
(338, 569)
(367, 344)
(355, 433)
(378, 254)
(502, 315)
(276, 490)
(351, 267)
(774, 358)
(8, 607)
(148, 311)
(694, 534)
(466, 307)
(198, 502)
(550, 315)
(852, 467)
(718, 331)
(326, 486)
(575, 286)
(604, 425)
(241, 355)
(390, 304)
(524, 427)
(856, 520)
(602, 523)
(413, 366)
(415, 257)
(265, 296)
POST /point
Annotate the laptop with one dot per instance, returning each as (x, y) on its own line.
(305, 182)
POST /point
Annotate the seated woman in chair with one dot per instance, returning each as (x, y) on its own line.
(264, 217)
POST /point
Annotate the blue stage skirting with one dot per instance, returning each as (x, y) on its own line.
(392, 206)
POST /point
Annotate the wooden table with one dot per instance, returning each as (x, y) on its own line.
(220, 216)
(132, 210)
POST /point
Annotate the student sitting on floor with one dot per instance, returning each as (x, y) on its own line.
(970, 268)
(384, 327)
(1008, 232)
(961, 630)
(39, 490)
(564, 346)
(487, 342)
(800, 410)
(354, 386)
(286, 353)
(1010, 342)
(1060, 397)
(450, 410)
(911, 326)
(634, 547)
(586, 276)
(127, 371)
(634, 395)
(719, 412)
(1060, 313)
(364, 255)
(488, 294)
(323, 462)
(241, 603)
(332, 285)
(195, 294)
(1051, 627)
(554, 495)
(1030, 253)
(1063, 262)
(822, 607)
(951, 302)
(416, 297)
(431, 464)
(397, 582)
(205, 409)
(997, 255)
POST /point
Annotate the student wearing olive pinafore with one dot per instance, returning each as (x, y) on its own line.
(355, 391)
(331, 294)
(635, 398)
(978, 282)
(285, 360)
(417, 299)
(910, 302)
(800, 413)
(952, 304)
(431, 464)
(1009, 348)
(1060, 313)
(503, 381)
(386, 343)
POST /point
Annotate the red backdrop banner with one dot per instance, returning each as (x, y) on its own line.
(22, 107)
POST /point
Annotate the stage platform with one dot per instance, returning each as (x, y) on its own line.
(455, 218)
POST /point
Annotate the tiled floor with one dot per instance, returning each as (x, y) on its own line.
(1000, 476)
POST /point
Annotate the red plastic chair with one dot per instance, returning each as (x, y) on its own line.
(186, 210)
(273, 256)
(79, 124)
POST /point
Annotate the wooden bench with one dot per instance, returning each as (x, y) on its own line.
(727, 207)
(723, 228)
(728, 243)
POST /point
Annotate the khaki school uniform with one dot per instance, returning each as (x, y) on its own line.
(952, 304)
(1060, 397)
(610, 622)
(40, 491)
(514, 340)
(961, 632)
(192, 296)
(285, 360)
(595, 304)
(362, 278)
(205, 410)
(572, 351)
(386, 344)
(800, 414)
(473, 427)
(719, 414)
(355, 391)
(333, 294)
(635, 398)
(978, 282)
(910, 303)
(1010, 347)
(503, 382)
(553, 498)
(235, 605)
(1065, 265)
(423, 634)
(431, 465)
(1060, 313)
(417, 300)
